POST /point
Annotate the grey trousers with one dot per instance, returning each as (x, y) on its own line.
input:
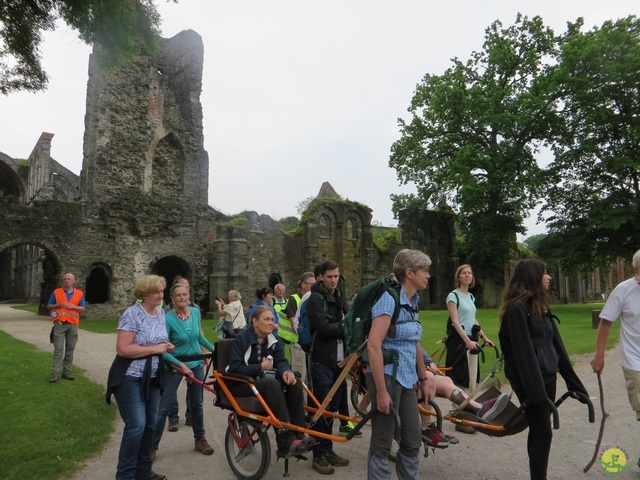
(382, 429)
(65, 337)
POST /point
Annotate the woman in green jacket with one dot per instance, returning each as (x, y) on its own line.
(183, 328)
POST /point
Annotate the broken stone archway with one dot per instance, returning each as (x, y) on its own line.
(12, 178)
(28, 272)
(98, 283)
(169, 267)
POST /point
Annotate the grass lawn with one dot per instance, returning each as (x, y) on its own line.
(49, 429)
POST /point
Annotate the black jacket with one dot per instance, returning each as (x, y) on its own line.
(119, 369)
(325, 311)
(534, 353)
(243, 358)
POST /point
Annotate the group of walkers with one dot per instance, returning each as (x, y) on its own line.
(150, 337)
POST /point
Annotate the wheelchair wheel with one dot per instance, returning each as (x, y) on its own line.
(248, 456)
(360, 398)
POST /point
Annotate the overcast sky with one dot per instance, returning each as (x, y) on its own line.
(294, 92)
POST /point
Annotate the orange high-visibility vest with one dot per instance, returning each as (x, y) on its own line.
(66, 314)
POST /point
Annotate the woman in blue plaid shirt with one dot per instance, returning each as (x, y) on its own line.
(393, 386)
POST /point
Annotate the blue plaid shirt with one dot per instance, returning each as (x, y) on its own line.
(408, 333)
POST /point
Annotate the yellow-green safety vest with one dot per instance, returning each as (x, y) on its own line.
(286, 332)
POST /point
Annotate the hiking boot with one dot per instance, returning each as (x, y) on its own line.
(336, 460)
(187, 421)
(54, 378)
(174, 425)
(346, 429)
(434, 437)
(494, 407)
(154, 452)
(465, 428)
(203, 446)
(322, 466)
(68, 376)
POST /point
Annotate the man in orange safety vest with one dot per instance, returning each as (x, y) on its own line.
(65, 306)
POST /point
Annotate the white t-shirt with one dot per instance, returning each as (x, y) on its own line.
(624, 303)
(235, 314)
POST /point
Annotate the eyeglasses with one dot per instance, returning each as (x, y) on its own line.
(309, 283)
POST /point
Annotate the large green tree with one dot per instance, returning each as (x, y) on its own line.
(595, 189)
(117, 25)
(473, 137)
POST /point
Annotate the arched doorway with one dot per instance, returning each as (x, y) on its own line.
(168, 267)
(28, 274)
(98, 288)
(274, 279)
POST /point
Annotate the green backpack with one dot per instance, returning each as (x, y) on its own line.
(357, 321)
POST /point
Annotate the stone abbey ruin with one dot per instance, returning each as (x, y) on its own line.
(140, 205)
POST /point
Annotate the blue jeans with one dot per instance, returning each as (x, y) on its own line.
(323, 378)
(139, 416)
(174, 411)
(172, 381)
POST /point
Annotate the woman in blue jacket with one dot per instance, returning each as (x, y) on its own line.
(257, 353)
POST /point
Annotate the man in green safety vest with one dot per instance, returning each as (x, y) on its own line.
(297, 356)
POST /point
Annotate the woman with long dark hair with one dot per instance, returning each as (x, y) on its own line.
(534, 354)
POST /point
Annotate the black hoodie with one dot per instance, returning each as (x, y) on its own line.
(325, 311)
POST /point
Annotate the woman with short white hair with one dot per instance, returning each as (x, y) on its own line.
(232, 313)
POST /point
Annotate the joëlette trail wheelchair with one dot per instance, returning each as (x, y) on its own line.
(246, 441)
(510, 422)
(512, 419)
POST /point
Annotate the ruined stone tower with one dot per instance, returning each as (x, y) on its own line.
(143, 127)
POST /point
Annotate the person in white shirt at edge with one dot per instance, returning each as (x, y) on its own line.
(623, 303)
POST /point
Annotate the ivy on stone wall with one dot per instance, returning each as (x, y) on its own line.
(309, 214)
(238, 221)
(383, 236)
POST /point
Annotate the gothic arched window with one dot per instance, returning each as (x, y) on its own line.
(352, 229)
(324, 226)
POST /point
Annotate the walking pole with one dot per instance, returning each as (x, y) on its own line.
(601, 433)
(346, 365)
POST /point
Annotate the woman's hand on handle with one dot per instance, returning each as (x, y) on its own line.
(185, 370)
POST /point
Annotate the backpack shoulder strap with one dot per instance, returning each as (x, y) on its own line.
(396, 312)
(394, 291)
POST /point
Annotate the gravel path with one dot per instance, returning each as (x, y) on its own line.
(477, 456)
